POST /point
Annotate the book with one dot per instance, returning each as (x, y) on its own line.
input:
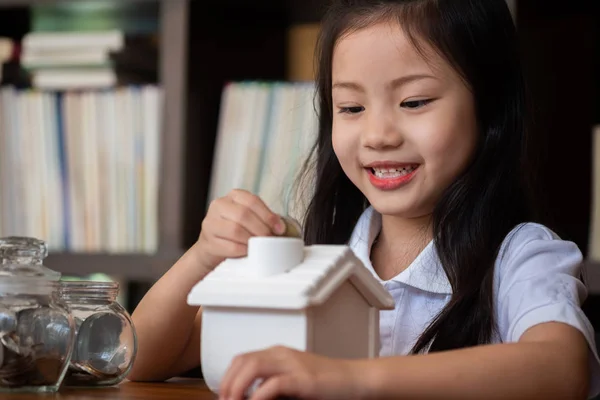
(48, 42)
(265, 133)
(80, 169)
(594, 244)
(66, 79)
(93, 57)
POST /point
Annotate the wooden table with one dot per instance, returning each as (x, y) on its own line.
(173, 389)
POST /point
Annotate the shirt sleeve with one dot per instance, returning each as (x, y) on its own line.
(537, 281)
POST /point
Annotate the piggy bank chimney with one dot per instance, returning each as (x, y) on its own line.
(274, 255)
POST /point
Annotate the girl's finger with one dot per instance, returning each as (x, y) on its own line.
(225, 389)
(244, 379)
(245, 217)
(273, 388)
(255, 203)
(229, 230)
(252, 367)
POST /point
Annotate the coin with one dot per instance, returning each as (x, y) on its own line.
(10, 341)
(16, 369)
(83, 373)
(8, 320)
(47, 370)
(23, 363)
(292, 227)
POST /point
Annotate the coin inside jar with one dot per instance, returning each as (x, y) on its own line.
(8, 320)
(96, 359)
(22, 365)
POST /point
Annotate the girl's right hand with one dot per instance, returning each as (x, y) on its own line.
(230, 222)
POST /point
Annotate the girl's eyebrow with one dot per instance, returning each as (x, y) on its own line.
(394, 84)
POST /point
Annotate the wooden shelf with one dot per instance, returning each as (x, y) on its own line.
(137, 267)
(21, 3)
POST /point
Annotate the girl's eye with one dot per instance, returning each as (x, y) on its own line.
(351, 110)
(414, 104)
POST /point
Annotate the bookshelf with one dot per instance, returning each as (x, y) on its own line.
(209, 43)
(132, 267)
(203, 46)
(231, 41)
(173, 22)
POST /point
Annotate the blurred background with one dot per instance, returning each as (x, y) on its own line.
(120, 120)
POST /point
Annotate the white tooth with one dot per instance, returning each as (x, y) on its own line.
(393, 172)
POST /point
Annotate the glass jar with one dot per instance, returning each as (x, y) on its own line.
(36, 330)
(106, 341)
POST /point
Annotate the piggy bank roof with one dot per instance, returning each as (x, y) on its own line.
(319, 274)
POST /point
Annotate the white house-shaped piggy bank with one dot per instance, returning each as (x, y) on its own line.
(319, 299)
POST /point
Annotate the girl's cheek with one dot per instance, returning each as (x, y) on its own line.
(340, 147)
(440, 144)
(347, 155)
(337, 143)
(343, 138)
(448, 153)
(435, 135)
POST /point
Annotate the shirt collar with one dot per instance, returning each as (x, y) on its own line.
(425, 272)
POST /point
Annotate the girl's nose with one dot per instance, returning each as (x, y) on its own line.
(382, 131)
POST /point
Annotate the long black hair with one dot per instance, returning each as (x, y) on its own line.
(492, 196)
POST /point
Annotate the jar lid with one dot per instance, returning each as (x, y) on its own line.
(72, 291)
(21, 257)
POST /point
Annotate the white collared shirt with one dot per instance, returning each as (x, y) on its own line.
(535, 281)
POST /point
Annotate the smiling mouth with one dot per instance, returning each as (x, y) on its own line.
(391, 173)
(392, 177)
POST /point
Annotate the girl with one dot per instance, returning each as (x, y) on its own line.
(421, 169)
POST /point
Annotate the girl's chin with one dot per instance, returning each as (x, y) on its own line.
(391, 208)
(394, 207)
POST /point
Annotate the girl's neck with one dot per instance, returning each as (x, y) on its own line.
(399, 243)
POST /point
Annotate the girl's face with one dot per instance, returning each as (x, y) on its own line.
(403, 128)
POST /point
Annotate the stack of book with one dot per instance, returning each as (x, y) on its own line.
(71, 60)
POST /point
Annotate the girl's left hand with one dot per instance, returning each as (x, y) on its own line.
(292, 373)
